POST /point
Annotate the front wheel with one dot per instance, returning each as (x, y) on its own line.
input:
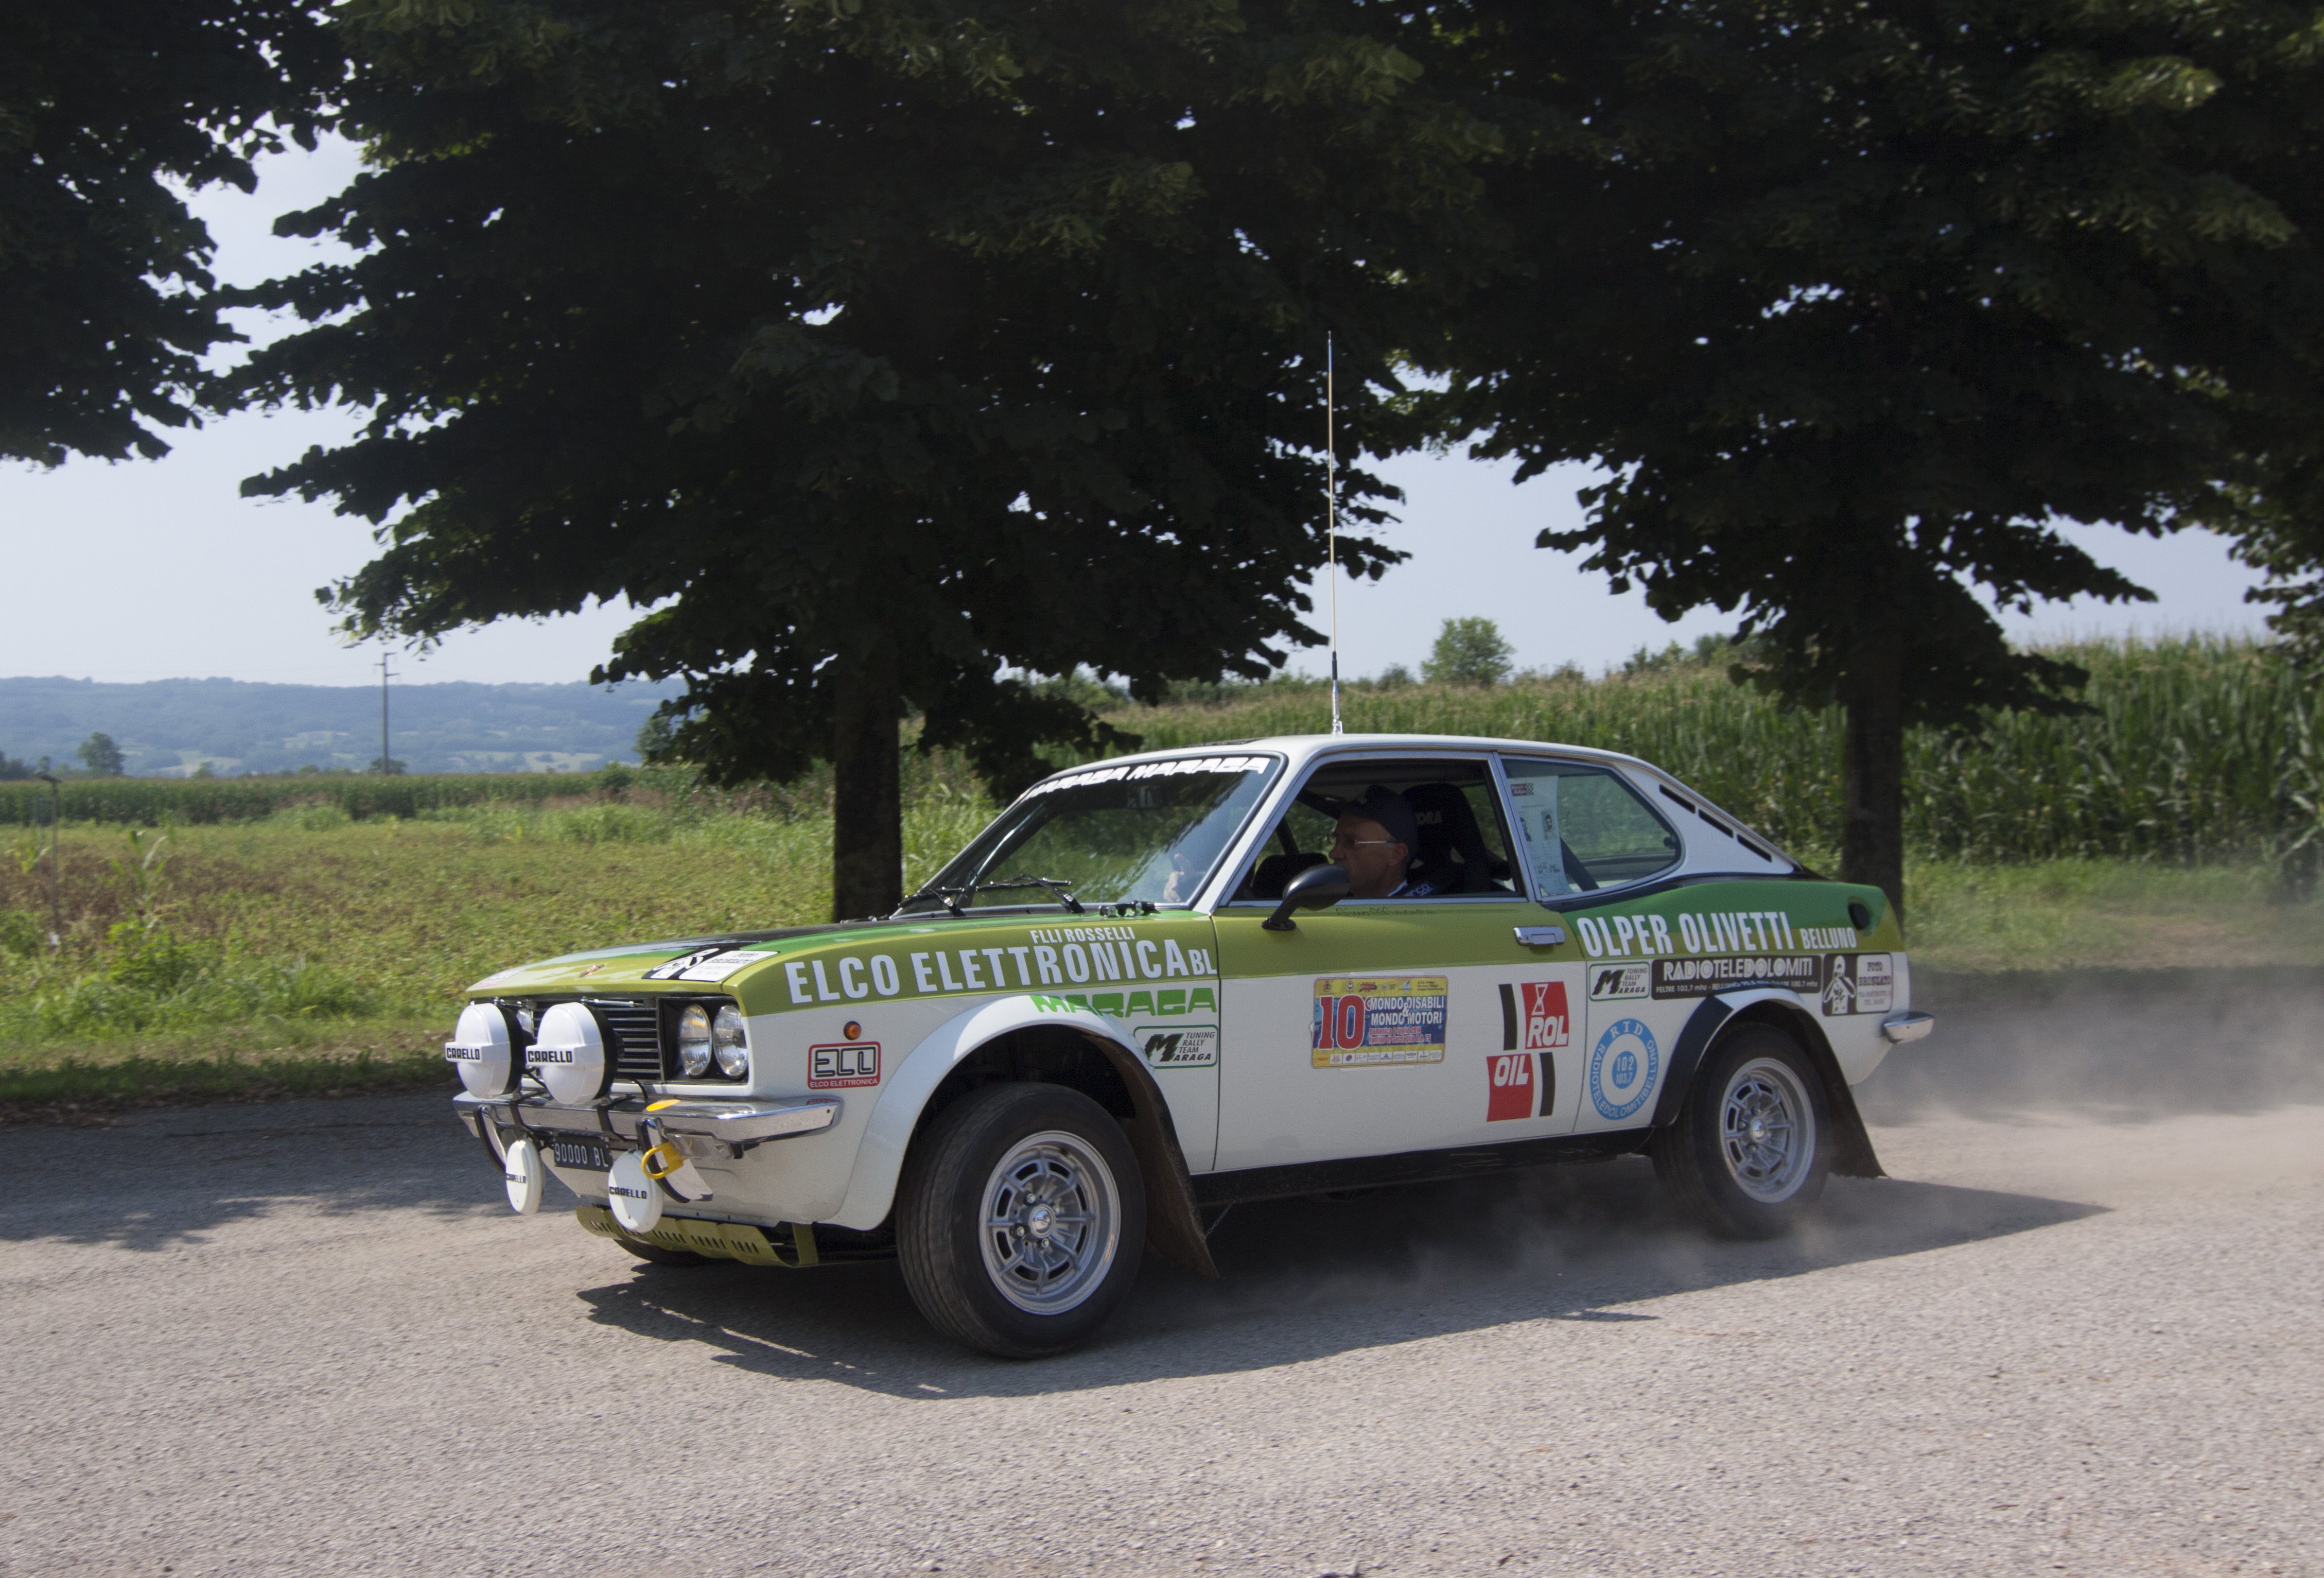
(1021, 1219)
(1749, 1152)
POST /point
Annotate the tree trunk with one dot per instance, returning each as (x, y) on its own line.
(1872, 769)
(867, 832)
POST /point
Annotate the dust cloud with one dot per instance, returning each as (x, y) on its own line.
(2038, 1101)
(2108, 1045)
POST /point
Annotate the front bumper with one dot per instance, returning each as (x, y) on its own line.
(701, 1127)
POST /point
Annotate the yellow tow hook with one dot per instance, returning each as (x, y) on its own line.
(661, 1161)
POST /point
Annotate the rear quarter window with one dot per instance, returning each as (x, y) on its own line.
(1584, 827)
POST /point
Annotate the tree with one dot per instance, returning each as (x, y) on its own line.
(109, 111)
(100, 756)
(887, 352)
(1855, 302)
(2289, 549)
(655, 739)
(1469, 651)
(389, 766)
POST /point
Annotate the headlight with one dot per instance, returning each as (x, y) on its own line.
(734, 1043)
(694, 1042)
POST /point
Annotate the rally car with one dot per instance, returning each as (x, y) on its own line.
(1161, 984)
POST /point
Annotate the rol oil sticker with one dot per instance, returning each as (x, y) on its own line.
(1535, 1016)
(1516, 1088)
(1363, 1020)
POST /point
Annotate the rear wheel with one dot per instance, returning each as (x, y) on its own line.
(1751, 1148)
(1021, 1219)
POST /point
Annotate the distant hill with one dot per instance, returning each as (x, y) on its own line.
(170, 727)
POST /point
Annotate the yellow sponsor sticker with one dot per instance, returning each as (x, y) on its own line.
(1366, 1019)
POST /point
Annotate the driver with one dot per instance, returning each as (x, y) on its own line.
(1373, 844)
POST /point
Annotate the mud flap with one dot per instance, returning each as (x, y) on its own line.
(1852, 1155)
(1174, 1227)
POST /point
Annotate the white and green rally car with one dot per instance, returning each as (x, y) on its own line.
(1142, 995)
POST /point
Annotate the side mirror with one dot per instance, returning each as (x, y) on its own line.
(1317, 888)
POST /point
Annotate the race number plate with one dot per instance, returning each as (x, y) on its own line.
(581, 1152)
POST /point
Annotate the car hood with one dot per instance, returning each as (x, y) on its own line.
(749, 966)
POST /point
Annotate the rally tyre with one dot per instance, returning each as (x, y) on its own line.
(1751, 1148)
(1020, 1218)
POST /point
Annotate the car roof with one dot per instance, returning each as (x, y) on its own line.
(1301, 748)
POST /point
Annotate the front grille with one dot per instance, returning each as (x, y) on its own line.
(637, 1035)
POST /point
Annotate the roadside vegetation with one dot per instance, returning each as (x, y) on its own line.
(320, 943)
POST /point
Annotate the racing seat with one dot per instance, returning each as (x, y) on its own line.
(1448, 829)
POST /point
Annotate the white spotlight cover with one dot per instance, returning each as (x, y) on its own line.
(569, 1055)
(636, 1199)
(521, 1169)
(481, 1050)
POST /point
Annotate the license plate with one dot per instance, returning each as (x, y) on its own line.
(591, 1155)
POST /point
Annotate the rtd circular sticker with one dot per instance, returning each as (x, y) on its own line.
(1622, 1068)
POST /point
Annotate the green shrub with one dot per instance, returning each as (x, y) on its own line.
(22, 934)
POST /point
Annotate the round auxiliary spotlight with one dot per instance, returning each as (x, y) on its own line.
(569, 1056)
(484, 1049)
(522, 1170)
(636, 1199)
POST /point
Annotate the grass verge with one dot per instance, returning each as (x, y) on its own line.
(308, 955)
(81, 1084)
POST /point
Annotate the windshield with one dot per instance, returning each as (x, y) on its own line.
(1149, 832)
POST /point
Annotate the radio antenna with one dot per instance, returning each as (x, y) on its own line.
(1332, 523)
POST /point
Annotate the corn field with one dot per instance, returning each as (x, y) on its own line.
(2194, 750)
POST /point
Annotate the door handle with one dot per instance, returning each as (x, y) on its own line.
(1541, 937)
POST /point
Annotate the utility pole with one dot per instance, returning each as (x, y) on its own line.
(385, 766)
(56, 881)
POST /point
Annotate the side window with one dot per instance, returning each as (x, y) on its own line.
(1459, 845)
(1583, 828)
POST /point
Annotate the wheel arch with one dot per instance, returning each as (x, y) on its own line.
(1726, 1014)
(1029, 1039)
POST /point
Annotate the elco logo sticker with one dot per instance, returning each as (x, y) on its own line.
(1535, 1016)
(843, 1067)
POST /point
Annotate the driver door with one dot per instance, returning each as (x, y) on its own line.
(1371, 1028)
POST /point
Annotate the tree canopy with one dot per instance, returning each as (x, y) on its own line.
(109, 111)
(890, 356)
(1866, 299)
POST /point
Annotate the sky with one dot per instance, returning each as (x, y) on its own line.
(159, 569)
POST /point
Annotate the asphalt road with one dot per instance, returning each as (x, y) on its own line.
(2080, 1329)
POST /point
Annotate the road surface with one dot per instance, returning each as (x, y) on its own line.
(2080, 1329)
